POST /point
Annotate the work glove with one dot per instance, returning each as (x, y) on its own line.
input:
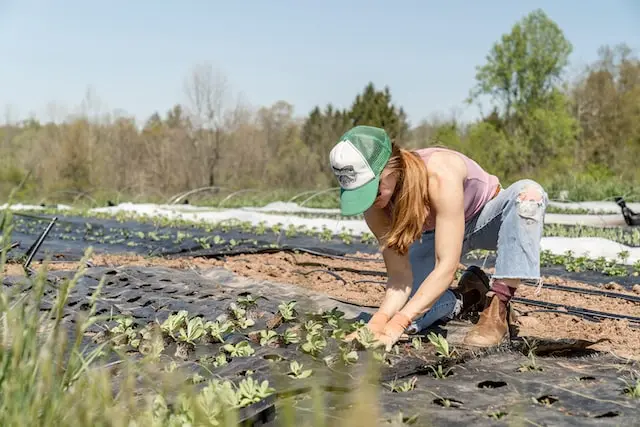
(394, 330)
(376, 325)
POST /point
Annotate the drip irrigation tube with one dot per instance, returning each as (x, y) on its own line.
(631, 298)
(585, 291)
(576, 310)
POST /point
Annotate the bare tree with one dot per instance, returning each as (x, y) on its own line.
(207, 91)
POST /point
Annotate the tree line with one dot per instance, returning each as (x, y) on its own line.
(581, 134)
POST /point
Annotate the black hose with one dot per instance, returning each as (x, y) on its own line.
(577, 290)
(550, 310)
(36, 245)
(626, 297)
(576, 310)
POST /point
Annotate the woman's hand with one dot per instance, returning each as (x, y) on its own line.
(394, 330)
(376, 325)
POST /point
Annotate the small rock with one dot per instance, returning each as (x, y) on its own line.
(636, 289)
(613, 286)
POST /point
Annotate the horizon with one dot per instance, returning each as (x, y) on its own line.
(307, 55)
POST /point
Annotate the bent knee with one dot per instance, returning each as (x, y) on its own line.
(531, 200)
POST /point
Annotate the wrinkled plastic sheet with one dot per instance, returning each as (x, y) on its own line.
(575, 386)
(70, 237)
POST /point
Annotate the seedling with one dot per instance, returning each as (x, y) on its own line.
(497, 415)
(239, 314)
(124, 332)
(416, 343)
(532, 365)
(296, 371)
(250, 391)
(312, 327)
(333, 317)
(348, 356)
(441, 344)
(402, 387)
(399, 420)
(290, 336)
(438, 371)
(218, 329)
(365, 337)
(338, 334)
(215, 361)
(241, 349)
(314, 344)
(151, 343)
(194, 330)
(245, 323)
(287, 310)
(268, 337)
(174, 322)
(248, 301)
(632, 390)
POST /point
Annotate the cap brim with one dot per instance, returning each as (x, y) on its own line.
(355, 202)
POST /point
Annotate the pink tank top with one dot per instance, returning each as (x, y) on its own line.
(479, 186)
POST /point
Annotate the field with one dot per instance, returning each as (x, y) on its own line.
(124, 319)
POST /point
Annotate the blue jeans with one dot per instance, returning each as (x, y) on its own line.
(506, 224)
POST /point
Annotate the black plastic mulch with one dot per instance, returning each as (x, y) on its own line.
(70, 236)
(567, 384)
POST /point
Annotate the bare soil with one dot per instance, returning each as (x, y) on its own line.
(356, 282)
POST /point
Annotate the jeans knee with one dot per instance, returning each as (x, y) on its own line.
(530, 200)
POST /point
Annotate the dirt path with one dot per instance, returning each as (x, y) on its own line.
(359, 288)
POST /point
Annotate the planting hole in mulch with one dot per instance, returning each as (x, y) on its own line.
(492, 384)
(610, 414)
(547, 400)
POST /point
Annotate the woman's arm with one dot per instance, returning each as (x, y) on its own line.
(446, 194)
(399, 276)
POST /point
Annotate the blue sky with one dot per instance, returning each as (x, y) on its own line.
(135, 55)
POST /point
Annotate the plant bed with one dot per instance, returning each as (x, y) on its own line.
(281, 342)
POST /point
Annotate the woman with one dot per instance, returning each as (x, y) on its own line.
(426, 207)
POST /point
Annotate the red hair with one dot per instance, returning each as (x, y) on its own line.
(410, 200)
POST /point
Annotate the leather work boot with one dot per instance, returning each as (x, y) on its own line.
(492, 327)
(473, 278)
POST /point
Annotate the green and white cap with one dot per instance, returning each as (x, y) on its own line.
(357, 161)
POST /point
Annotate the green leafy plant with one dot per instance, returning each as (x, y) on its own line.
(402, 387)
(441, 344)
(249, 391)
(248, 301)
(333, 317)
(290, 336)
(314, 344)
(632, 389)
(296, 370)
(268, 337)
(174, 322)
(287, 310)
(218, 329)
(240, 349)
(348, 356)
(193, 331)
